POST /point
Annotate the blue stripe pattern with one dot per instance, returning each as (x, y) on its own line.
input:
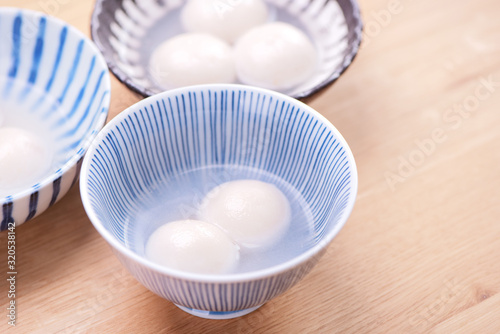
(16, 46)
(215, 297)
(37, 54)
(7, 218)
(175, 132)
(62, 41)
(49, 66)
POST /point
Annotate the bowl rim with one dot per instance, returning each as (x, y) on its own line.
(307, 93)
(349, 58)
(12, 11)
(226, 278)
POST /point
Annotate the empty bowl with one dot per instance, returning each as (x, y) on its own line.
(127, 32)
(155, 162)
(54, 98)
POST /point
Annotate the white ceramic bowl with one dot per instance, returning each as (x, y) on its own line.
(149, 154)
(128, 31)
(53, 80)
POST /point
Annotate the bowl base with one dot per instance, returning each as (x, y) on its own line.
(217, 315)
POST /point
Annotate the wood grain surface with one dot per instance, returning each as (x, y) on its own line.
(420, 108)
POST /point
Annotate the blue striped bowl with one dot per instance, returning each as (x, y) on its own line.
(56, 74)
(199, 127)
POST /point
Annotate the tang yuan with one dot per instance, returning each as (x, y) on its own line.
(225, 19)
(191, 59)
(24, 158)
(193, 246)
(254, 213)
(276, 55)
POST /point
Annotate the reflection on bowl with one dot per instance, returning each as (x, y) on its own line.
(54, 87)
(152, 162)
(127, 32)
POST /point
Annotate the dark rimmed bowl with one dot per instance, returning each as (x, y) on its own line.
(128, 31)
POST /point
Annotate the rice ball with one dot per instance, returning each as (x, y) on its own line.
(254, 213)
(276, 55)
(24, 158)
(192, 59)
(193, 246)
(223, 18)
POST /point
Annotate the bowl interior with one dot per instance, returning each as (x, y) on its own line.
(155, 162)
(54, 83)
(128, 32)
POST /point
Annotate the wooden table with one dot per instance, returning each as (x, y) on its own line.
(420, 108)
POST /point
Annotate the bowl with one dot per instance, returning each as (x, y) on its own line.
(53, 83)
(127, 32)
(157, 159)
